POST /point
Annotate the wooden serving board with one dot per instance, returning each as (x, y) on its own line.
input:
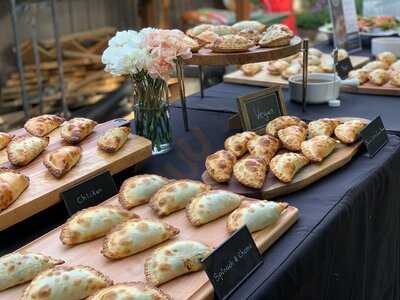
(193, 286)
(44, 189)
(371, 89)
(263, 78)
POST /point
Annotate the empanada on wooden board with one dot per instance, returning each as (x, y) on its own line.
(43, 125)
(77, 129)
(220, 165)
(12, 185)
(24, 149)
(113, 139)
(61, 161)
(5, 139)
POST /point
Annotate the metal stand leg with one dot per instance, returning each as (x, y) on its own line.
(179, 72)
(201, 77)
(305, 73)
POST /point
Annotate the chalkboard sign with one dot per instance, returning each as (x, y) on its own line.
(343, 67)
(232, 262)
(374, 136)
(257, 109)
(122, 122)
(90, 192)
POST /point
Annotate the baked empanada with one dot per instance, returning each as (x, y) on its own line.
(66, 283)
(255, 214)
(317, 148)
(293, 69)
(324, 126)
(286, 165)
(251, 69)
(113, 139)
(276, 35)
(139, 189)
(77, 129)
(379, 77)
(314, 52)
(5, 139)
(174, 260)
(327, 64)
(292, 137)
(251, 171)
(251, 35)
(92, 223)
(359, 74)
(220, 165)
(211, 205)
(231, 43)
(374, 65)
(387, 57)
(23, 149)
(264, 146)
(342, 54)
(395, 67)
(277, 67)
(43, 125)
(130, 291)
(395, 79)
(62, 160)
(12, 184)
(348, 131)
(18, 267)
(136, 235)
(195, 31)
(282, 122)
(249, 25)
(175, 196)
(237, 143)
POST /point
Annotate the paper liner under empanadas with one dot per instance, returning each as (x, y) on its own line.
(317, 148)
(23, 149)
(12, 184)
(251, 171)
(77, 129)
(264, 146)
(282, 122)
(5, 139)
(19, 267)
(113, 139)
(62, 160)
(286, 165)
(220, 165)
(92, 223)
(139, 189)
(66, 283)
(43, 125)
(175, 196)
(251, 69)
(211, 205)
(255, 214)
(136, 235)
(130, 291)
(348, 131)
(237, 143)
(324, 126)
(292, 137)
(174, 260)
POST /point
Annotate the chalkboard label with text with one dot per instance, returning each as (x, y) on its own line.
(374, 136)
(89, 193)
(343, 67)
(232, 262)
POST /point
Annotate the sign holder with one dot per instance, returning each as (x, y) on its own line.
(374, 136)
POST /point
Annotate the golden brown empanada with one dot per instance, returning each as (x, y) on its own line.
(92, 223)
(374, 65)
(113, 139)
(255, 214)
(139, 189)
(66, 283)
(276, 35)
(77, 129)
(282, 122)
(136, 235)
(264, 146)
(220, 165)
(250, 34)
(277, 67)
(379, 77)
(359, 74)
(324, 126)
(293, 69)
(195, 31)
(43, 125)
(62, 160)
(286, 165)
(12, 184)
(327, 64)
(23, 149)
(5, 139)
(292, 137)
(231, 43)
(19, 267)
(251, 69)
(387, 57)
(211, 205)
(174, 260)
(348, 131)
(251, 171)
(395, 79)
(317, 148)
(249, 25)
(237, 143)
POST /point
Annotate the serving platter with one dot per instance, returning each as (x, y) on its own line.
(371, 89)
(191, 286)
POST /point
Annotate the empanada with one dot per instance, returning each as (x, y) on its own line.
(251, 35)
(314, 52)
(395, 67)
(374, 65)
(277, 67)
(282, 122)
(77, 129)
(264, 146)
(211, 205)
(175, 196)
(195, 31)
(62, 160)
(12, 184)
(92, 223)
(220, 165)
(5, 139)
(359, 74)
(325, 126)
(293, 69)
(395, 79)
(251, 171)
(237, 143)
(23, 149)
(379, 77)
(387, 57)
(255, 214)
(66, 283)
(348, 131)
(139, 189)
(327, 64)
(18, 267)
(113, 139)
(292, 137)
(251, 69)
(286, 165)
(174, 260)
(231, 43)
(130, 291)
(342, 54)
(249, 25)
(136, 235)
(43, 125)
(317, 148)
(276, 35)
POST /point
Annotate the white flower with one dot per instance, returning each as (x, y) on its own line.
(126, 38)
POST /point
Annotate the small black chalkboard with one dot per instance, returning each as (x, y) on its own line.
(122, 122)
(374, 136)
(90, 192)
(343, 67)
(232, 262)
